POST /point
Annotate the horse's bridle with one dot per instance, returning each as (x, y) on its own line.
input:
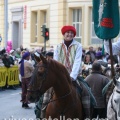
(60, 97)
(43, 79)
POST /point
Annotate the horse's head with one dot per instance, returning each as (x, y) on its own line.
(48, 73)
(39, 81)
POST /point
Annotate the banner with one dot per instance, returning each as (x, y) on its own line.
(106, 18)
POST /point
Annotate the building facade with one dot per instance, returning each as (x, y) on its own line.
(25, 18)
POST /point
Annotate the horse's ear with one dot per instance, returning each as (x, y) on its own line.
(43, 59)
(37, 57)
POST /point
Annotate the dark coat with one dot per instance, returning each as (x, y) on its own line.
(8, 61)
(97, 82)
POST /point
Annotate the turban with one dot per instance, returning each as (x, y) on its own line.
(68, 28)
(25, 55)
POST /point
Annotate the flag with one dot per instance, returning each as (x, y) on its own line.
(106, 18)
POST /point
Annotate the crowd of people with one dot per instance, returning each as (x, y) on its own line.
(24, 59)
(91, 65)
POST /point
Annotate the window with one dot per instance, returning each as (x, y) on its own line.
(94, 38)
(38, 18)
(34, 26)
(77, 23)
(43, 21)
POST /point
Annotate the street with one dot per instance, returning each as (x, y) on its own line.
(11, 107)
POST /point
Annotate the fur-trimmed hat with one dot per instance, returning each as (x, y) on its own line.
(68, 28)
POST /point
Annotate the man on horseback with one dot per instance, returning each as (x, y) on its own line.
(69, 53)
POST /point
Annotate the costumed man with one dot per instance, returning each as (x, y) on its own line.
(69, 53)
(115, 48)
(26, 69)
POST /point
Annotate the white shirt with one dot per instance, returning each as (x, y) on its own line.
(77, 61)
(115, 47)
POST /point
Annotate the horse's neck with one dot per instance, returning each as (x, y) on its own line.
(62, 88)
(61, 91)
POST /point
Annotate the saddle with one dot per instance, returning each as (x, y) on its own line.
(77, 86)
(88, 99)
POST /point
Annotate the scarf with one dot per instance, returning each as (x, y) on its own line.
(25, 55)
(67, 43)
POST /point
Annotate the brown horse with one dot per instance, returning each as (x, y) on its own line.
(65, 101)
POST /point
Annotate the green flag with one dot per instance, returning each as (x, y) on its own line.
(106, 18)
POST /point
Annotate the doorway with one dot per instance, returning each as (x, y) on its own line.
(15, 35)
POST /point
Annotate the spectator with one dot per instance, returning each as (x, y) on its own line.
(1, 62)
(99, 58)
(49, 55)
(7, 60)
(21, 48)
(86, 65)
(92, 53)
(26, 69)
(97, 82)
(18, 54)
(9, 46)
(12, 54)
(83, 54)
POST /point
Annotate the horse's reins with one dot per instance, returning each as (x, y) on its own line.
(65, 110)
(59, 97)
(38, 90)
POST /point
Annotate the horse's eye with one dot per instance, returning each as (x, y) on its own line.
(41, 70)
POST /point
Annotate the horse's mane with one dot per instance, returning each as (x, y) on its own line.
(55, 66)
(59, 68)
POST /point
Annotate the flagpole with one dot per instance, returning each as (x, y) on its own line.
(111, 58)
